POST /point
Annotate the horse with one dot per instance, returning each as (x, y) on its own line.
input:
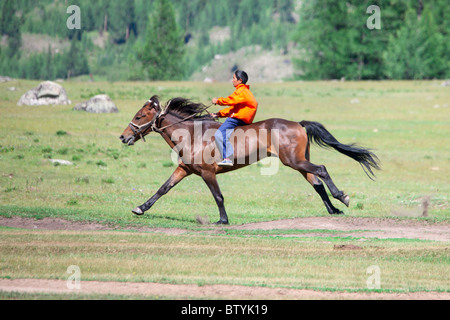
(288, 140)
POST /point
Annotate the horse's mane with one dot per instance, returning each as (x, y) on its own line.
(183, 108)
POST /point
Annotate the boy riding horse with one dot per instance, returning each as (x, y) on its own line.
(242, 111)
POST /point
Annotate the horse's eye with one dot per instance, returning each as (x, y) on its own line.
(138, 118)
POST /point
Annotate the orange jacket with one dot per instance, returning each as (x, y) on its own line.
(242, 104)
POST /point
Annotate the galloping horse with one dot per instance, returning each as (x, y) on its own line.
(284, 139)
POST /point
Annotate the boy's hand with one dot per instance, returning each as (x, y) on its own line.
(214, 100)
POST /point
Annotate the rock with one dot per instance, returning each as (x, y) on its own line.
(5, 79)
(446, 83)
(98, 104)
(60, 162)
(346, 247)
(47, 93)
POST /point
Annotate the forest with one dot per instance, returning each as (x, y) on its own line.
(170, 40)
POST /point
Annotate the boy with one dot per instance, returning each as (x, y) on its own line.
(242, 111)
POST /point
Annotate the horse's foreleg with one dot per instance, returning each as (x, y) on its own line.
(178, 175)
(211, 181)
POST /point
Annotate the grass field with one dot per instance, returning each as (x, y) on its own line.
(407, 124)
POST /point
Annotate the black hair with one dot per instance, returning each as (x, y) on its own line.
(241, 75)
(183, 108)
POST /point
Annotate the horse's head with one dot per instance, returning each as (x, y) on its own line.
(143, 122)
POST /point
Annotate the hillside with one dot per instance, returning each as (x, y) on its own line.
(262, 66)
(205, 40)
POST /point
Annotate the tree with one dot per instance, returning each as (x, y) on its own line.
(284, 8)
(121, 20)
(322, 34)
(418, 40)
(10, 26)
(337, 43)
(49, 68)
(163, 52)
(75, 60)
(412, 43)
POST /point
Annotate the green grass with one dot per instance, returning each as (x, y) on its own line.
(406, 123)
(75, 296)
(300, 263)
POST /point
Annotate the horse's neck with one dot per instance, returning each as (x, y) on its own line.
(171, 122)
(186, 129)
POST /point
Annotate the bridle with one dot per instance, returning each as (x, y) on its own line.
(141, 129)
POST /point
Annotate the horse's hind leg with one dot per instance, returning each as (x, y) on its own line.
(306, 167)
(321, 172)
(296, 154)
(320, 189)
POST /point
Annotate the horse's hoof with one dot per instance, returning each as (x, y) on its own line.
(337, 212)
(346, 200)
(222, 222)
(137, 211)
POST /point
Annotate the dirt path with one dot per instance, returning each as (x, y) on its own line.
(357, 227)
(347, 226)
(360, 227)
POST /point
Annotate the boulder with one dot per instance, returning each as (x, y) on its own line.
(98, 104)
(5, 79)
(47, 93)
(60, 162)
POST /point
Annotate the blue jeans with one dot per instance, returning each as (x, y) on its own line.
(223, 135)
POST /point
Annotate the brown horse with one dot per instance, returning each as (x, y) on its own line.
(190, 133)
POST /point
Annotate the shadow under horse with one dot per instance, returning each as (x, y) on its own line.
(183, 126)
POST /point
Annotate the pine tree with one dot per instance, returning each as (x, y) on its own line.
(75, 60)
(337, 43)
(10, 26)
(121, 20)
(322, 34)
(162, 54)
(49, 68)
(284, 8)
(423, 46)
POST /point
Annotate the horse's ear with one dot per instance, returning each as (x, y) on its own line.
(154, 102)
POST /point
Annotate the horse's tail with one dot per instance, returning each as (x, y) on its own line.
(318, 134)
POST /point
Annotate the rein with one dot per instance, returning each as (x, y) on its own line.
(159, 130)
(140, 129)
